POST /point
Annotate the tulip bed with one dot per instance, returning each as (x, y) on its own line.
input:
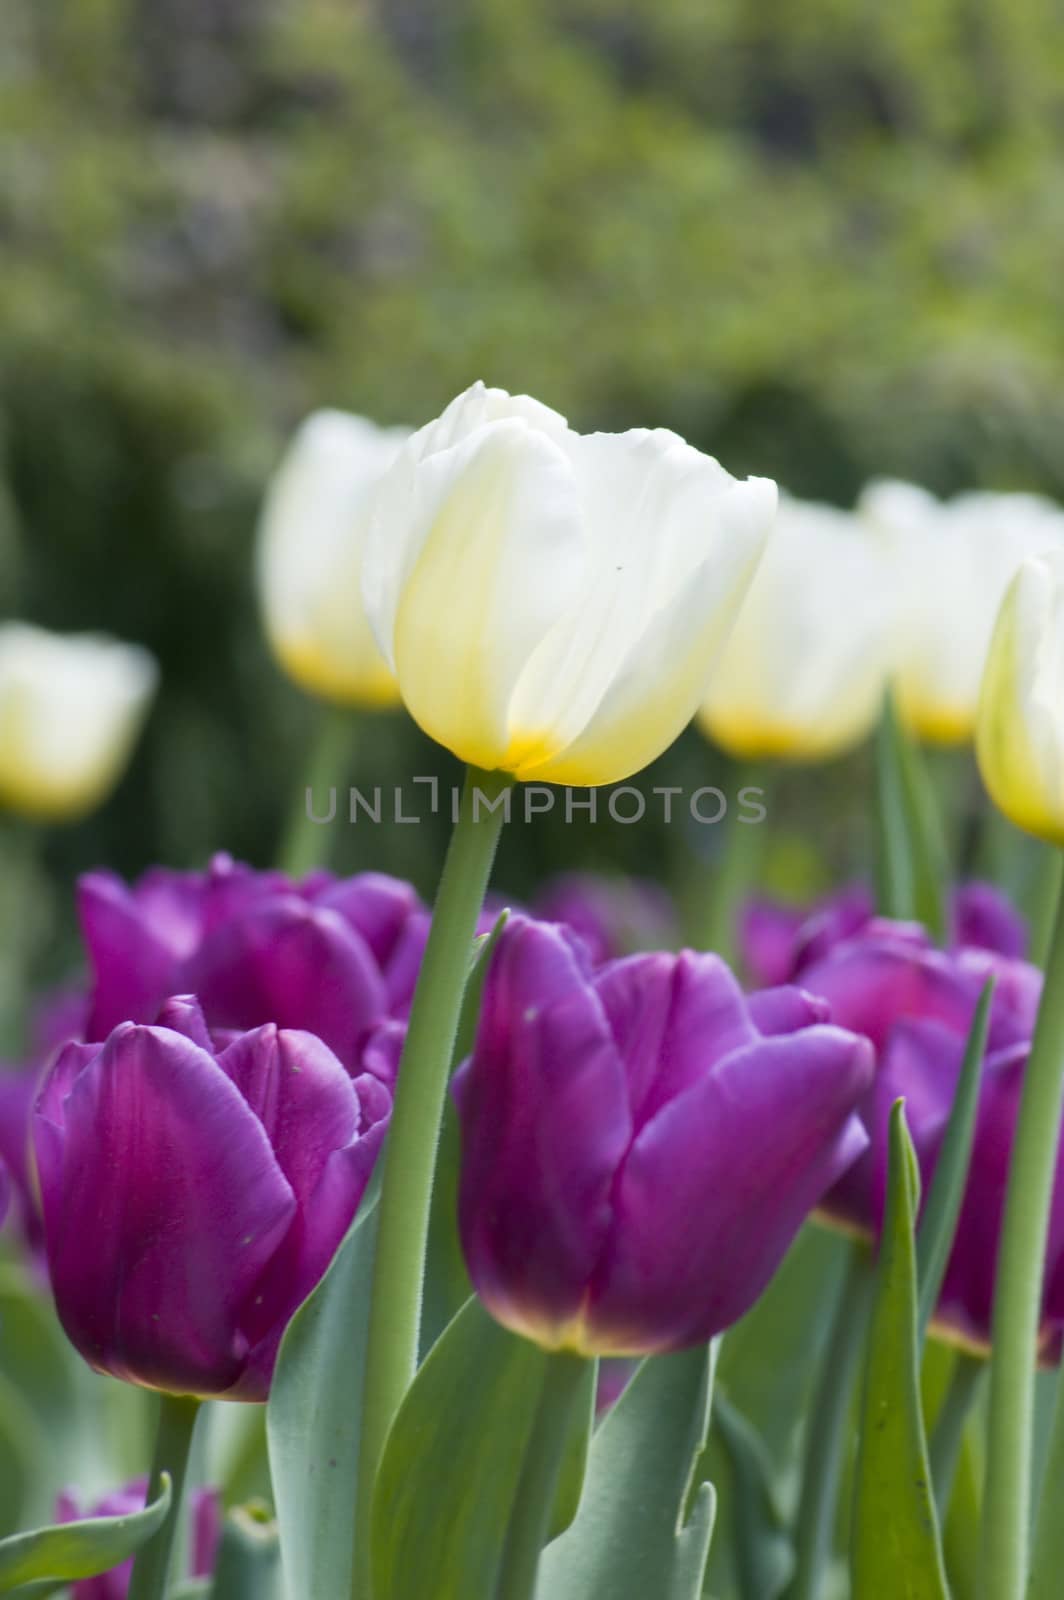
(358, 1251)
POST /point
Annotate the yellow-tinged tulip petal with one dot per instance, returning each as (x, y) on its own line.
(1020, 734)
(952, 562)
(311, 535)
(552, 603)
(803, 672)
(70, 710)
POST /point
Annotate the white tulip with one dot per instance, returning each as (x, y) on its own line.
(1020, 732)
(952, 562)
(70, 709)
(552, 603)
(802, 675)
(311, 536)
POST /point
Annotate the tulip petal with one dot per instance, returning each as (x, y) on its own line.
(671, 1017)
(500, 533)
(377, 906)
(983, 916)
(302, 1096)
(543, 1106)
(786, 1010)
(134, 961)
(158, 1145)
(296, 965)
(873, 982)
(716, 1186)
(657, 685)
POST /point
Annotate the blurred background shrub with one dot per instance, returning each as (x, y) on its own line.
(822, 241)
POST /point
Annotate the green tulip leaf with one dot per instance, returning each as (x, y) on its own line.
(451, 1466)
(913, 864)
(762, 1552)
(938, 1224)
(312, 1419)
(629, 1538)
(249, 1557)
(447, 1284)
(79, 1549)
(895, 1547)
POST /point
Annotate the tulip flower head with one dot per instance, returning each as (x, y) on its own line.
(779, 942)
(552, 603)
(641, 1143)
(1020, 739)
(803, 672)
(70, 710)
(335, 957)
(313, 528)
(205, 1519)
(916, 1004)
(952, 563)
(194, 1194)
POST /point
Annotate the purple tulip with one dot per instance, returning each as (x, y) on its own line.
(193, 1195)
(5, 1192)
(614, 916)
(205, 1516)
(641, 1143)
(916, 1005)
(779, 942)
(335, 958)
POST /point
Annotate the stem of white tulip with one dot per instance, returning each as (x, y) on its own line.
(1018, 1294)
(173, 1442)
(306, 843)
(409, 1155)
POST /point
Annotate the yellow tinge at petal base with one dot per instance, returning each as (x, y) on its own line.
(1020, 732)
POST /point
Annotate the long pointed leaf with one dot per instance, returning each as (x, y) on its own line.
(79, 1549)
(896, 1549)
(312, 1420)
(450, 1469)
(629, 1539)
(939, 1222)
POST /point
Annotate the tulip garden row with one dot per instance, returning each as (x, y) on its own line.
(507, 1254)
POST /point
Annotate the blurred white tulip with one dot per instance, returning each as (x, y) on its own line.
(311, 536)
(553, 603)
(1020, 733)
(803, 673)
(952, 562)
(71, 707)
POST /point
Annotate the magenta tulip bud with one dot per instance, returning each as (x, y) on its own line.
(916, 1005)
(640, 1144)
(194, 1195)
(205, 1518)
(333, 957)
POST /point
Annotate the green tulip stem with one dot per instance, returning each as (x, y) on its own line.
(726, 884)
(537, 1486)
(307, 844)
(948, 1433)
(173, 1442)
(825, 1446)
(409, 1155)
(1018, 1294)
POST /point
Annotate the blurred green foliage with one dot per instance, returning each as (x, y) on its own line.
(823, 241)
